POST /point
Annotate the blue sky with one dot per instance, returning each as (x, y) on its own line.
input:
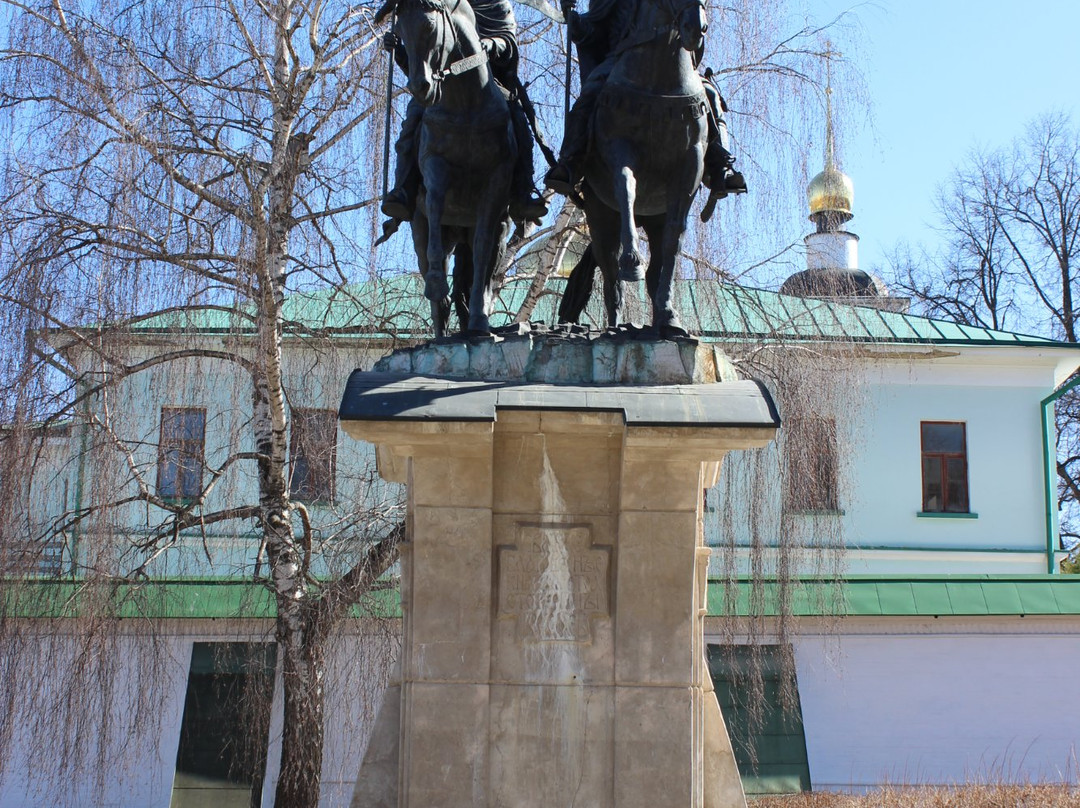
(944, 76)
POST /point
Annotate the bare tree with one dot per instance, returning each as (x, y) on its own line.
(178, 154)
(1011, 258)
(178, 175)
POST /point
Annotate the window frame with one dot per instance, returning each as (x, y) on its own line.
(187, 448)
(943, 458)
(325, 472)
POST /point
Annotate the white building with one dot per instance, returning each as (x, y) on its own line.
(935, 475)
(936, 659)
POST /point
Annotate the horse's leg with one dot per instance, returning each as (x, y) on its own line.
(419, 227)
(625, 192)
(604, 228)
(490, 229)
(462, 284)
(436, 288)
(578, 288)
(654, 232)
(654, 227)
(665, 318)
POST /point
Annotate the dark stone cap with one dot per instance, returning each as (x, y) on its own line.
(373, 396)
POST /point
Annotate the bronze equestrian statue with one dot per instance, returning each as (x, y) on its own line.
(457, 197)
(497, 28)
(657, 130)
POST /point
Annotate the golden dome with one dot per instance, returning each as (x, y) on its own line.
(831, 191)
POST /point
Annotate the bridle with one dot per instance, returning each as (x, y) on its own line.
(670, 28)
(459, 66)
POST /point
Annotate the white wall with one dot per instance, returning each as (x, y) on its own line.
(910, 701)
(995, 392)
(1004, 445)
(133, 765)
(135, 768)
(315, 377)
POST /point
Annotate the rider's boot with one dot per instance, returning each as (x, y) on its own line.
(565, 176)
(400, 202)
(526, 205)
(397, 205)
(562, 178)
(720, 173)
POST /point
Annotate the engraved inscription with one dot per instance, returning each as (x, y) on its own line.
(553, 581)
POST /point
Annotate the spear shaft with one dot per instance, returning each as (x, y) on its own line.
(569, 60)
(389, 110)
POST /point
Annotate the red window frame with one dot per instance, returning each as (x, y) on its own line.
(944, 473)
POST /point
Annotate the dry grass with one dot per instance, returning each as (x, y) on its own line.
(972, 796)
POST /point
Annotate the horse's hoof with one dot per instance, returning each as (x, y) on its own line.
(436, 288)
(673, 330)
(631, 267)
(479, 326)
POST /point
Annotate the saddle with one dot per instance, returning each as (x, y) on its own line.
(673, 107)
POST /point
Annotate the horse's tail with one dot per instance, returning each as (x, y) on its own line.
(578, 287)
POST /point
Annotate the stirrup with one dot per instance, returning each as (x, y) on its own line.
(734, 182)
(529, 208)
(561, 180)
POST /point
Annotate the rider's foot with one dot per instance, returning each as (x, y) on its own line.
(561, 180)
(397, 205)
(528, 208)
(734, 183)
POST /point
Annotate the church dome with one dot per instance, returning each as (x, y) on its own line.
(834, 282)
(831, 193)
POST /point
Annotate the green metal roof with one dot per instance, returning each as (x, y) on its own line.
(394, 307)
(922, 596)
(727, 311)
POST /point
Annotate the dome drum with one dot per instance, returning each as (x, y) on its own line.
(836, 249)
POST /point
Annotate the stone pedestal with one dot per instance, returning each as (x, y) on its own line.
(553, 592)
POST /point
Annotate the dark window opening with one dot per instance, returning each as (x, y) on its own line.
(944, 467)
(225, 731)
(810, 479)
(180, 452)
(759, 699)
(313, 453)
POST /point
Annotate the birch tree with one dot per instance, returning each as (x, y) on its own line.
(169, 163)
(176, 154)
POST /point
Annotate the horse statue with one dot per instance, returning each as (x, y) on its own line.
(464, 199)
(645, 159)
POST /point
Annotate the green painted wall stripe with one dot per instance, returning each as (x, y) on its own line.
(857, 596)
(907, 597)
(172, 599)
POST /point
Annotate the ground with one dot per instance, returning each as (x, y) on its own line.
(989, 796)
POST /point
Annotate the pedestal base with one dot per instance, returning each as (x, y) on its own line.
(553, 592)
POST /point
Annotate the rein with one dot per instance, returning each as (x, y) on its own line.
(466, 63)
(463, 65)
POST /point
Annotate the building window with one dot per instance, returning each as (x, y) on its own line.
(225, 728)
(180, 452)
(810, 465)
(313, 451)
(944, 467)
(758, 692)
